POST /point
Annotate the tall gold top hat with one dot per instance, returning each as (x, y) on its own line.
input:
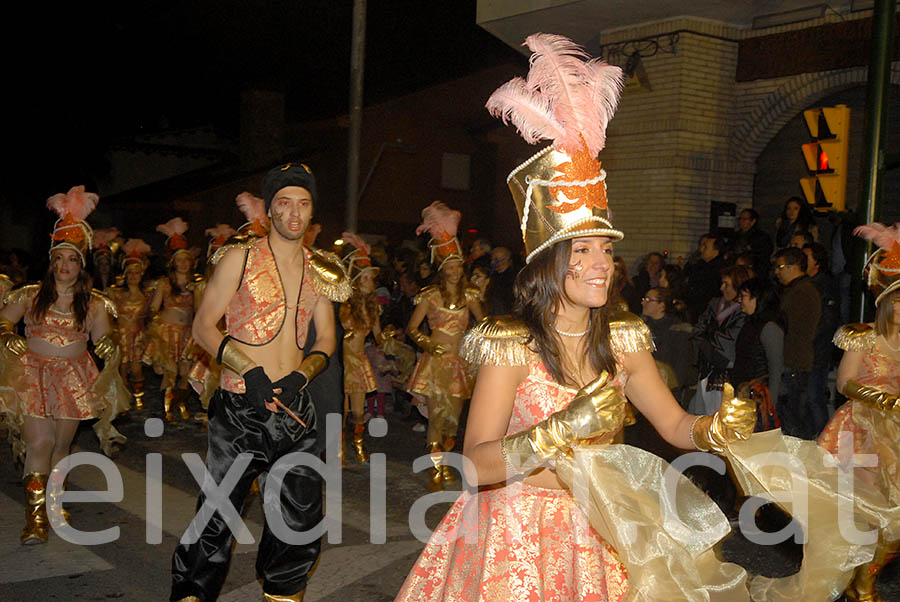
(136, 254)
(105, 241)
(71, 231)
(882, 269)
(442, 222)
(567, 98)
(357, 262)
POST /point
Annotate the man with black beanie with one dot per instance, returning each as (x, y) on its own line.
(269, 290)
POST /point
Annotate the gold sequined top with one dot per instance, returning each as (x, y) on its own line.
(450, 319)
(59, 328)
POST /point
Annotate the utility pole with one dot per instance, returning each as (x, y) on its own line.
(357, 64)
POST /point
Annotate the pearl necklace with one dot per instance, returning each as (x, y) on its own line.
(889, 346)
(573, 334)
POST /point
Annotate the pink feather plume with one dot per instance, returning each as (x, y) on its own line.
(883, 236)
(135, 247)
(565, 97)
(220, 231)
(174, 226)
(76, 203)
(356, 241)
(439, 220)
(104, 236)
(253, 207)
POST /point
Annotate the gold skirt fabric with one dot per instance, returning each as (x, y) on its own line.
(445, 376)
(358, 375)
(132, 343)
(166, 343)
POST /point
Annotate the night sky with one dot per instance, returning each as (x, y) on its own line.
(88, 74)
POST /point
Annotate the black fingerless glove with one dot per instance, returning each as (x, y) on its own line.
(291, 384)
(259, 390)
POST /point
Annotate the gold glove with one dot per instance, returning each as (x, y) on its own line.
(106, 345)
(312, 365)
(871, 396)
(233, 358)
(424, 341)
(387, 333)
(735, 419)
(596, 409)
(14, 343)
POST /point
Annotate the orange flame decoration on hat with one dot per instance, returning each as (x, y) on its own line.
(136, 253)
(254, 209)
(358, 260)
(174, 230)
(220, 234)
(103, 240)
(441, 222)
(71, 231)
(883, 266)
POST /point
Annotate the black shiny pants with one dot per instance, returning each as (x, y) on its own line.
(199, 569)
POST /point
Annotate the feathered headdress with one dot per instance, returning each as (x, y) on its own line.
(104, 241)
(71, 231)
(254, 209)
(358, 260)
(441, 222)
(220, 233)
(136, 253)
(882, 269)
(567, 99)
(174, 230)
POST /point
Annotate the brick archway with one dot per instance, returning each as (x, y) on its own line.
(767, 118)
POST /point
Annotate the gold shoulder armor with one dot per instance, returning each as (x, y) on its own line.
(855, 337)
(473, 294)
(234, 242)
(6, 284)
(432, 292)
(496, 341)
(329, 275)
(198, 282)
(22, 294)
(108, 304)
(628, 333)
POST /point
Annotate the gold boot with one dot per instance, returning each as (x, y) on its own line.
(359, 444)
(55, 510)
(342, 452)
(447, 473)
(298, 597)
(168, 398)
(862, 588)
(137, 390)
(36, 524)
(435, 475)
(181, 396)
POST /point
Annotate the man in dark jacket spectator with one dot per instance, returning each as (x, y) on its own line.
(704, 275)
(498, 298)
(751, 238)
(801, 308)
(818, 272)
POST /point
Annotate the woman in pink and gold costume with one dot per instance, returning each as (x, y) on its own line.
(170, 329)
(441, 375)
(133, 304)
(869, 376)
(555, 375)
(48, 380)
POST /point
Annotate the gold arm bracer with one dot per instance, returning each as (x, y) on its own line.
(14, 343)
(236, 360)
(424, 341)
(870, 396)
(313, 365)
(106, 345)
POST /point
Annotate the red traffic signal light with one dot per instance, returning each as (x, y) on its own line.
(826, 158)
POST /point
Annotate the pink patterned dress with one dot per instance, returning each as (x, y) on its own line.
(874, 431)
(517, 542)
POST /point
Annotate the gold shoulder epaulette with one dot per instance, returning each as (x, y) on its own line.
(108, 304)
(6, 283)
(855, 337)
(329, 275)
(496, 341)
(234, 242)
(628, 333)
(25, 293)
(198, 282)
(473, 294)
(431, 292)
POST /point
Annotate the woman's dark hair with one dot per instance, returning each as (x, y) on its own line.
(819, 254)
(46, 296)
(675, 276)
(357, 302)
(539, 291)
(805, 218)
(738, 274)
(767, 303)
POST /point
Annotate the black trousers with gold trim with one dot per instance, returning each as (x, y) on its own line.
(199, 569)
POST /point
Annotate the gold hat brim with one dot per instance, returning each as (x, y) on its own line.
(881, 281)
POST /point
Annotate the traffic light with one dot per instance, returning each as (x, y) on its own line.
(826, 158)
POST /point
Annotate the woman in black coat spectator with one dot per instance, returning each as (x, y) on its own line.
(796, 217)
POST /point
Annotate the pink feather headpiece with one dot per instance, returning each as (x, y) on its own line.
(174, 230)
(883, 266)
(136, 252)
(442, 223)
(358, 260)
(220, 233)
(103, 239)
(70, 230)
(254, 209)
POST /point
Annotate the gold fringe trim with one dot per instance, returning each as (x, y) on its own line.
(233, 243)
(629, 334)
(330, 276)
(108, 304)
(23, 293)
(855, 337)
(496, 341)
